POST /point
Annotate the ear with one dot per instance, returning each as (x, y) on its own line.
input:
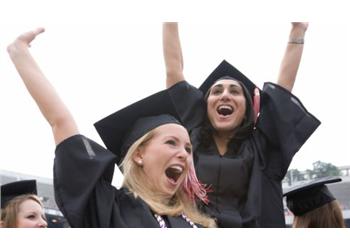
(138, 156)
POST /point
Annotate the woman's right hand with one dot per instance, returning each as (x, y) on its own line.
(39, 87)
(172, 54)
(24, 40)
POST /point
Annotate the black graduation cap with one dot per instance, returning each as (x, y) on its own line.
(226, 69)
(307, 197)
(121, 129)
(13, 189)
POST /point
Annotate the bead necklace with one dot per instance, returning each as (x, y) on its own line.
(163, 225)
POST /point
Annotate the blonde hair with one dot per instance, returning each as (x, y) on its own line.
(137, 183)
(11, 210)
(329, 215)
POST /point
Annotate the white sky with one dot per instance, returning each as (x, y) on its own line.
(100, 60)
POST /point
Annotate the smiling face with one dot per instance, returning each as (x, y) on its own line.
(166, 158)
(226, 105)
(31, 215)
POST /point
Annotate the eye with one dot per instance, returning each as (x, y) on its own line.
(235, 91)
(216, 91)
(188, 149)
(171, 142)
(31, 217)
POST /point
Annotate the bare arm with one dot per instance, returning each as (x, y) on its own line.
(172, 54)
(292, 56)
(48, 101)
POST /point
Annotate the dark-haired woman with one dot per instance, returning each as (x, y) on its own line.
(243, 138)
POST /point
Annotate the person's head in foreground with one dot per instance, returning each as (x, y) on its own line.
(155, 153)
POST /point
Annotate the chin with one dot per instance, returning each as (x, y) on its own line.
(224, 128)
(171, 192)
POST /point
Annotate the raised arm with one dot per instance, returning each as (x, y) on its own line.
(48, 101)
(292, 56)
(172, 54)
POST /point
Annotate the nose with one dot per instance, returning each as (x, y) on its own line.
(42, 223)
(182, 154)
(225, 95)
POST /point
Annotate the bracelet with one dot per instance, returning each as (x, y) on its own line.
(299, 40)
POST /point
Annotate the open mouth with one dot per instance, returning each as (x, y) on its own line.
(174, 172)
(224, 110)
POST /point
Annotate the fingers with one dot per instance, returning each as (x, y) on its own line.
(38, 31)
(29, 36)
(302, 25)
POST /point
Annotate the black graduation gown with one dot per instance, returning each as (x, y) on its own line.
(83, 172)
(247, 186)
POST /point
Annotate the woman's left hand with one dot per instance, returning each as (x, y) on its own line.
(299, 25)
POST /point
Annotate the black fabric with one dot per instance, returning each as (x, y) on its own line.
(13, 189)
(226, 69)
(309, 196)
(83, 172)
(192, 109)
(122, 128)
(246, 186)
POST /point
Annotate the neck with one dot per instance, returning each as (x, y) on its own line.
(221, 140)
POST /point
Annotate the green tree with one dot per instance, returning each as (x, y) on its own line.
(322, 169)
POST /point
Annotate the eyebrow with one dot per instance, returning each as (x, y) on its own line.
(217, 86)
(230, 86)
(30, 212)
(236, 87)
(177, 139)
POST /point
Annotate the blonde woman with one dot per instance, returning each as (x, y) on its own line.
(160, 187)
(20, 207)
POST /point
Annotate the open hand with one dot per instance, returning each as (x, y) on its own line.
(27, 37)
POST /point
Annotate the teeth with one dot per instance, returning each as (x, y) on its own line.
(225, 110)
(177, 168)
(174, 172)
(225, 107)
